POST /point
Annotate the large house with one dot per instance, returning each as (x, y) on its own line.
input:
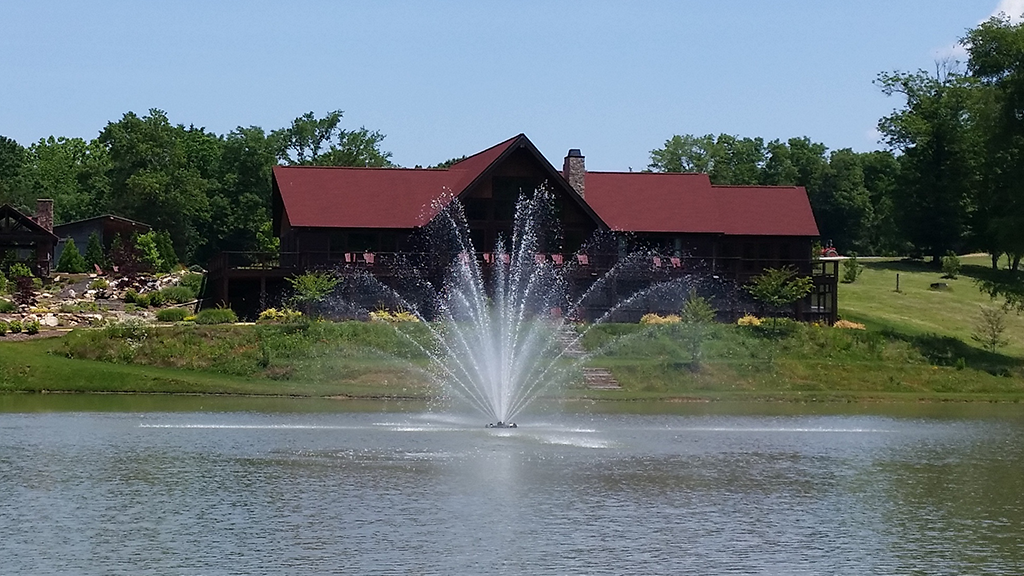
(363, 219)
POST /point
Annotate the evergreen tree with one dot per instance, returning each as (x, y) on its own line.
(71, 260)
(164, 245)
(94, 252)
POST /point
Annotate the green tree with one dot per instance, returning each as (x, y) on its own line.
(148, 252)
(449, 162)
(322, 142)
(936, 136)
(685, 153)
(738, 161)
(697, 317)
(13, 158)
(311, 289)
(841, 202)
(94, 252)
(777, 288)
(852, 269)
(990, 330)
(71, 260)
(996, 60)
(70, 171)
(165, 247)
(240, 205)
(882, 234)
(162, 174)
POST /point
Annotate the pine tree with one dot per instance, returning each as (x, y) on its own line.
(164, 245)
(94, 252)
(71, 260)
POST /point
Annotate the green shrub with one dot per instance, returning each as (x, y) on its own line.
(19, 270)
(851, 269)
(177, 294)
(31, 327)
(15, 326)
(155, 298)
(131, 297)
(99, 284)
(193, 282)
(70, 259)
(3, 327)
(950, 265)
(216, 316)
(132, 329)
(6, 306)
(172, 314)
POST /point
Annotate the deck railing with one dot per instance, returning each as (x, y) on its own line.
(739, 269)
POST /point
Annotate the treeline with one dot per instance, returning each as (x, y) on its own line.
(952, 178)
(208, 192)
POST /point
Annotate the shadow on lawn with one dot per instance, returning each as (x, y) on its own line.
(950, 351)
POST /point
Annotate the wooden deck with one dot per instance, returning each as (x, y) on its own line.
(252, 280)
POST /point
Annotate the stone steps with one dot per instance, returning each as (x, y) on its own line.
(600, 379)
(593, 378)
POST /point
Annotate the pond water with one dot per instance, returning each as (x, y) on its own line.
(136, 485)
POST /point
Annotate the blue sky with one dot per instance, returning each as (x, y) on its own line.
(447, 78)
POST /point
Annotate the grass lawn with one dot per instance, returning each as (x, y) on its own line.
(918, 309)
(917, 347)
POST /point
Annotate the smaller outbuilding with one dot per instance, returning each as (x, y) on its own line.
(107, 226)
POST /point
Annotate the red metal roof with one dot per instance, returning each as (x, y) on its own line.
(321, 196)
(627, 201)
(689, 203)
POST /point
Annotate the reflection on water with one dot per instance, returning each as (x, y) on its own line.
(758, 490)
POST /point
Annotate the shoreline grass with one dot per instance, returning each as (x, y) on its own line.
(356, 360)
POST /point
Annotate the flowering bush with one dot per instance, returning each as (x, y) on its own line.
(386, 316)
(656, 319)
(749, 320)
(284, 315)
(847, 325)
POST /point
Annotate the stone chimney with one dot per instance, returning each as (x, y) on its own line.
(44, 214)
(574, 169)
